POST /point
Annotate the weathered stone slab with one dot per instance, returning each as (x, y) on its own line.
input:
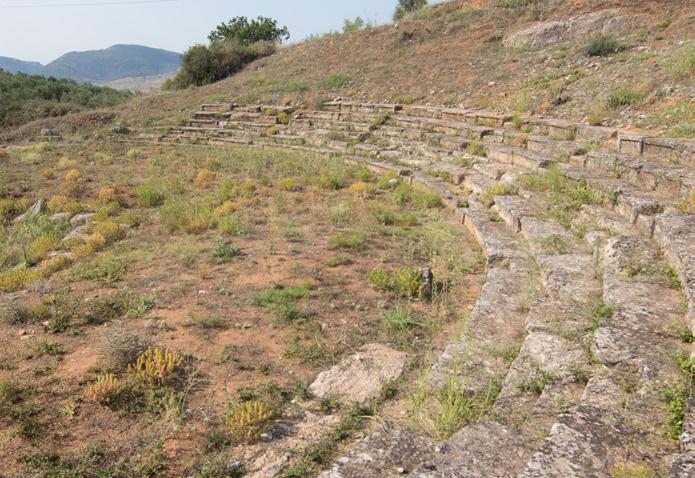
(481, 450)
(675, 233)
(496, 318)
(360, 377)
(390, 452)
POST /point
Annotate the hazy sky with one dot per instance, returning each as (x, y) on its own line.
(42, 30)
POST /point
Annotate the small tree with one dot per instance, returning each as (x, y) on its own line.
(199, 66)
(406, 6)
(353, 25)
(262, 29)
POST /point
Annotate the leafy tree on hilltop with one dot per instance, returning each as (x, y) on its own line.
(406, 6)
(232, 46)
(262, 29)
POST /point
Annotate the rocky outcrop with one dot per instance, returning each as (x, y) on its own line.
(543, 34)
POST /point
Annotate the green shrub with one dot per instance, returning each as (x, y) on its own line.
(407, 6)
(331, 181)
(339, 261)
(515, 3)
(106, 269)
(351, 26)
(28, 97)
(400, 319)
(477, 148)
(378, 278)
(225, 252)
(202, 65)
(279, 296)
(623, 96)
(406, 194)
(234, 225)
(499, 189)
(407, 282)
(194, 217)
(425, 199)
(355, 240)
(632, 471)
(336, 81)
(682, 64)
(602, 45)
(676, 402)
(134, 153)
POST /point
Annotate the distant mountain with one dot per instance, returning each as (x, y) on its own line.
(12, 65)
(102, 66)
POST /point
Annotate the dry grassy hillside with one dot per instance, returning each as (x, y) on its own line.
(455, 53)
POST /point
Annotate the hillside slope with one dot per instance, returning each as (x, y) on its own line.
(12, 65)
(462, 53)
(455, 54)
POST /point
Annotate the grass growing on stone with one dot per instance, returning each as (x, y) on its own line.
(565, 196)
(444, 411)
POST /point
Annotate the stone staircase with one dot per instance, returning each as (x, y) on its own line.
(590, 301)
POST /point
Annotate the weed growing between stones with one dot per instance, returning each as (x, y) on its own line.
(676, 402)
(444, 411)
(566, 196)
(499, 189)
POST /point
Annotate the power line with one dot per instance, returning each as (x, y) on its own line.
(89, 4)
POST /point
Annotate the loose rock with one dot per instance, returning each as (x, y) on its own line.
(361, 377)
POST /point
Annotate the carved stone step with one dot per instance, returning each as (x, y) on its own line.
(632, 345)
(518, 156)
(661, 149)
(498, 315)
(389, 452)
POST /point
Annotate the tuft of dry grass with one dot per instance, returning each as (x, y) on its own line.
(66, 163)
(107, 195)
(110, 231)
(62, 203)
(19, 278)
(682, 63)
(104, 390)
(246, 421)
(205, 179)
(362, 189)
(289, 184)
(156, 366)
(73, 176)
(56, 264)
